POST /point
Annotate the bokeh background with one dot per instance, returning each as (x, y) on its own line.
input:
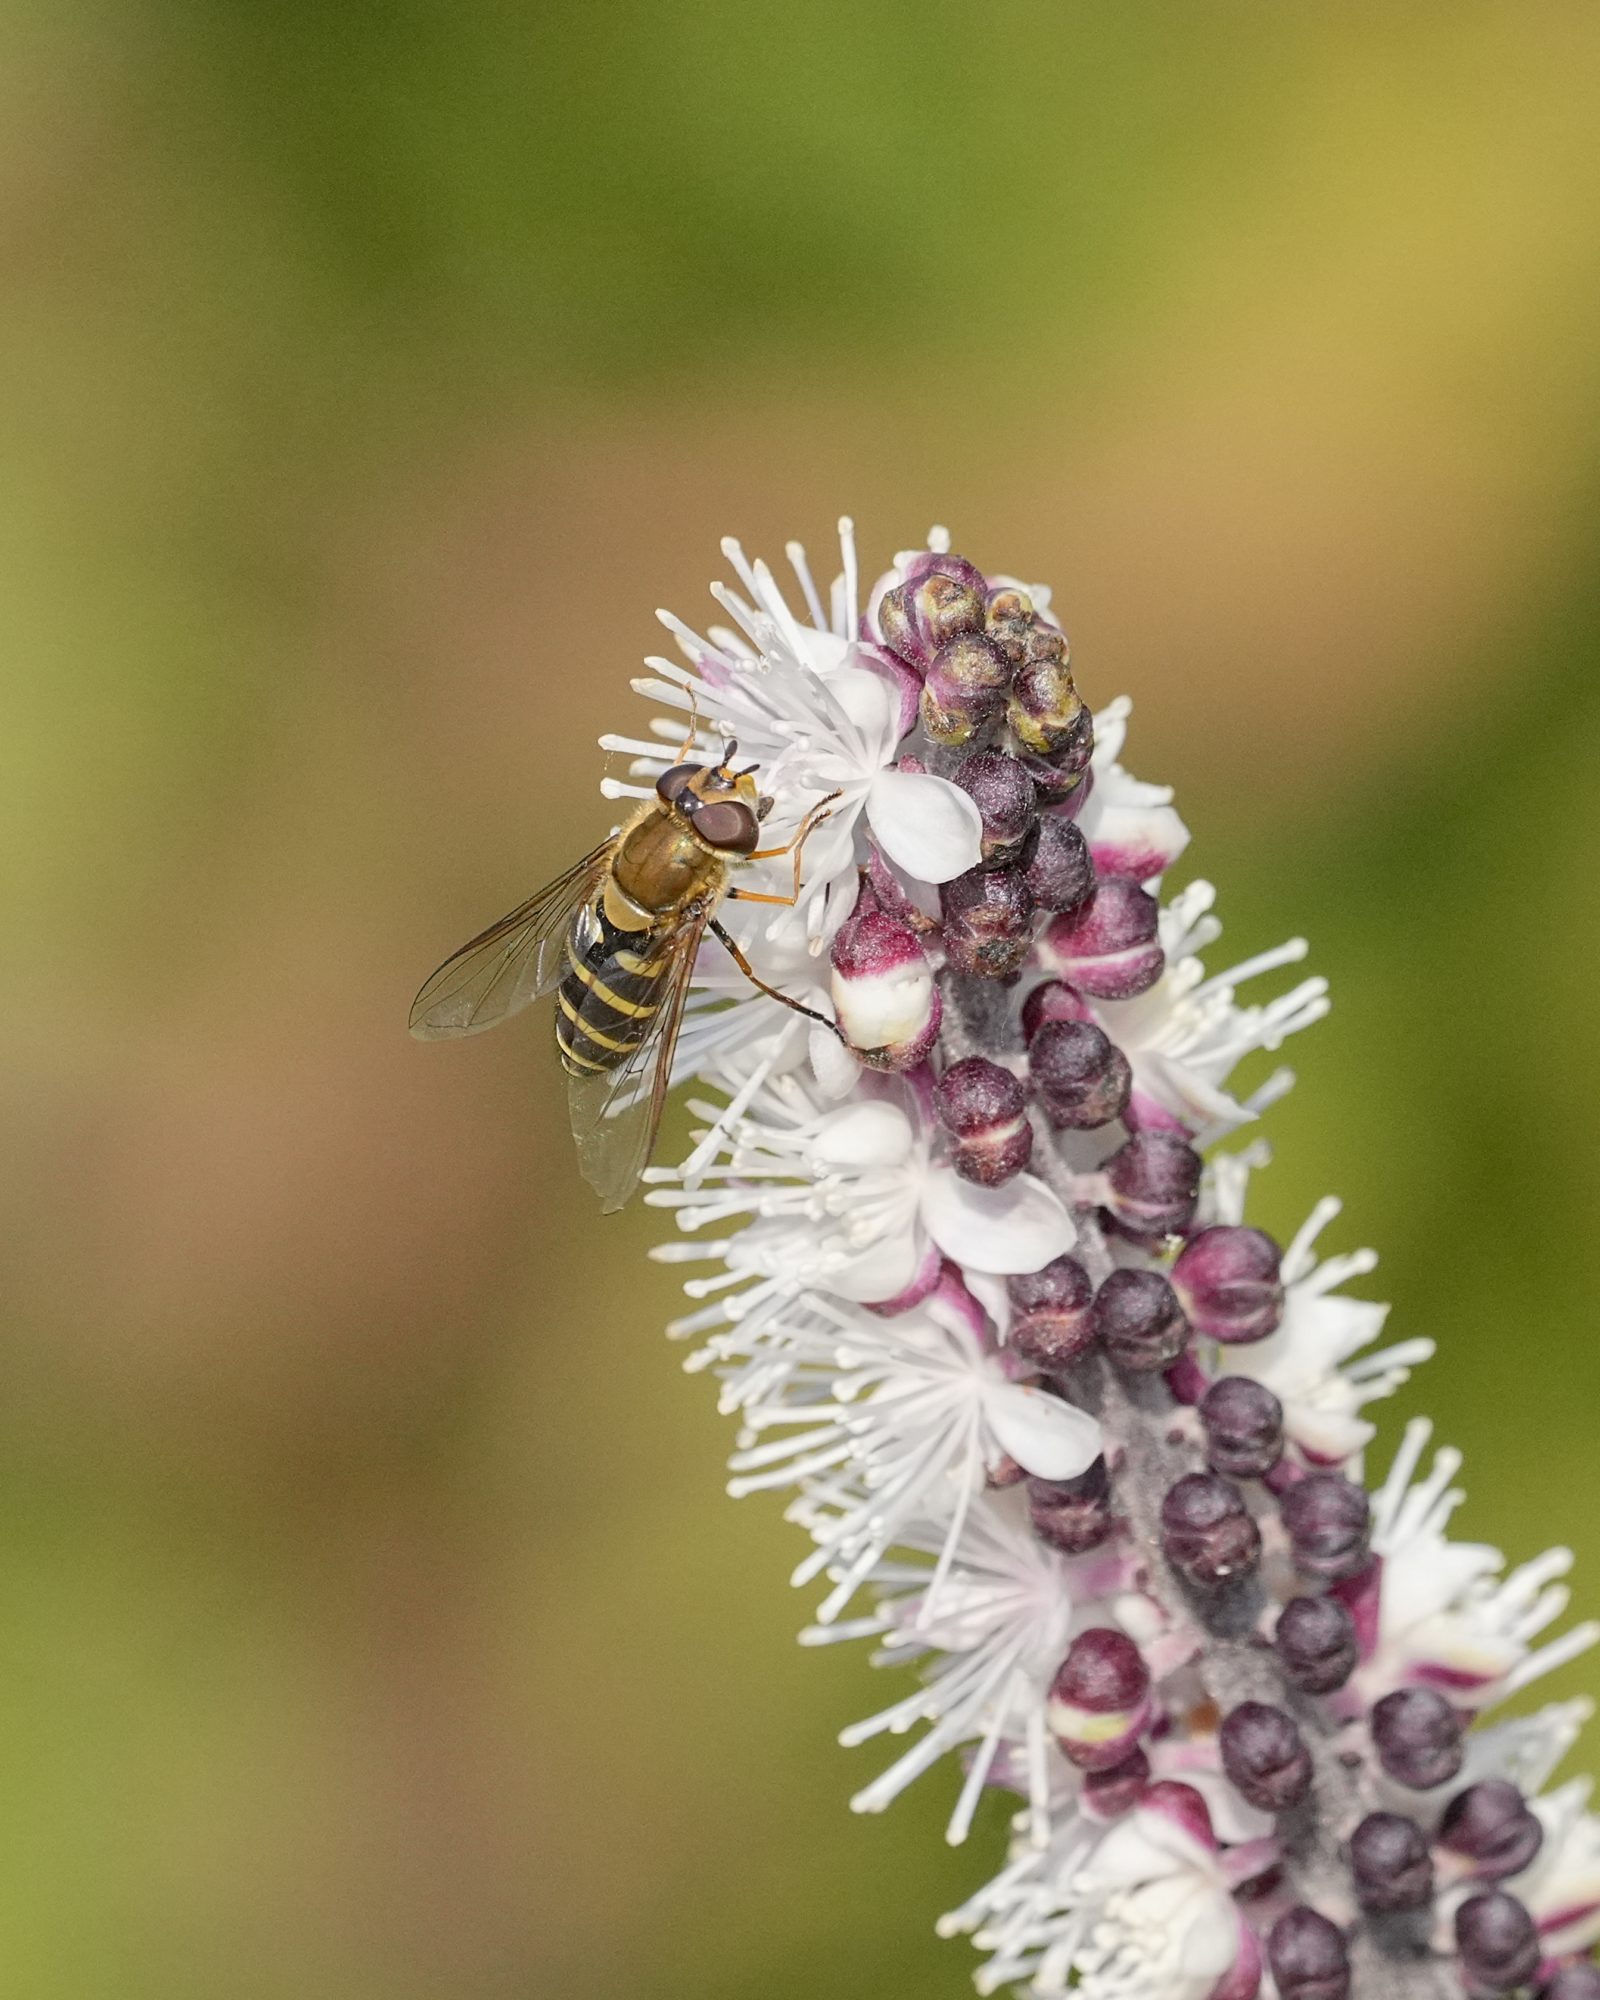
(372, 1622)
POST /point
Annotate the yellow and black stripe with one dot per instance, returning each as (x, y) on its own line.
(610, 995)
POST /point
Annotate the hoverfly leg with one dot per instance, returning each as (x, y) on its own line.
(808, 826)
(755, 978)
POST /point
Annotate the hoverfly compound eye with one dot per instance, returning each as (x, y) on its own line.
(726, 824)
(670, 786)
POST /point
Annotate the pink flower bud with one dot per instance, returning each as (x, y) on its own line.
(1100, 1699)
(1108, 947)
(1153, 1186)
(1052, 1001)
(1228, 1281)
(985, 1110)
(884, 997)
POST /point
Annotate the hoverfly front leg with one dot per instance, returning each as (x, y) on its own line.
(808, 826)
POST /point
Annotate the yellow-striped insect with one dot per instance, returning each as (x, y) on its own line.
(616, 937)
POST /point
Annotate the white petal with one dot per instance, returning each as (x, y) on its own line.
(870, 1134)
(925, 825)
(1009, 1230)
(836, 1070)
(882, 1271)
(1047, 1437)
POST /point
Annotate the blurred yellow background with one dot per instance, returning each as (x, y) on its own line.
(373, 1623)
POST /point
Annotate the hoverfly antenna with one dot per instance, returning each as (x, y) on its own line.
(748, 770)
(730, 750)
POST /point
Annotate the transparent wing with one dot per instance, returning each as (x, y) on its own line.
(512, 962)
(615, 1113)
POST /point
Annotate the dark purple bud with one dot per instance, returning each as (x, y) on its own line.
(1072, 1515)
(1578, 1981)
(1052, 1322)
(1008, 620)
(964, 689)
(1228, 1281)
(1207, 1532)
(1100, 1699)
(1390, 1862)
(1489, 1827)
(1308, 1957)
(1044, 705)
(895, 625)
(1264, 1757)
(1137, 1315)
(1083, 1079)
(1497, 1942)
(1108, 947)
(1003, 793)
(1060, 871)
(1154, 1186)
(940, 607)
(1109, 1794)
(1054, 1000)
(1316, 1642)
(1328, 1522)
(1060, 773)
(985, 1111)
(1418, 1737)
(1243, 1423)
(988, 922)
(944, 562)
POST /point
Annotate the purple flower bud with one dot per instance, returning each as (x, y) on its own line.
(988, 922)
(1316, 1642)
(1418, 1737)
(1137, 1315)
(894, 624)
(1489, 1827)
(1072, 1515)
(941, 606)
(1578, 1981)
(1154, 1186)
(1058, 870)
(1264, 1758)
(1100, 1699)
(985, 1110)
(1497, 1942)
(1083, 1079)
(885, 1001)
(1207, 1532)
(944, 562)
(1054, 1000)
(965, 688)
(1308, 1957)
(1390, 1863)
(1243, 1423)
(1228, 1281)
(1062, 774)
(1044, 706)
(1003, 793)
(1052, 1322)
(1109, 1794)
(1109, 947)
(1008, 620)
(1328, 1521)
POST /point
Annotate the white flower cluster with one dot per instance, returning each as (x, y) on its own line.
(866, 1294)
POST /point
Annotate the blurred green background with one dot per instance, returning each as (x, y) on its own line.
(373, 1623)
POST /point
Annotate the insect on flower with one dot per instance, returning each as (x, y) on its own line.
(616, 938)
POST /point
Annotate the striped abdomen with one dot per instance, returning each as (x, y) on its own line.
(610, 995)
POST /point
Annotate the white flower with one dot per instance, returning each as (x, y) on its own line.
(884, 1424)
(1447, 1615)
(802, 703)
(1132, 828)
(1309, 1362)
(1561, 1888)
(849, 1199)
(1186, 1036)
(1142, 1911)
(990, 1641)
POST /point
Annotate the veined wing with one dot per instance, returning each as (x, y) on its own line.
(616, 1113)
(512, 962)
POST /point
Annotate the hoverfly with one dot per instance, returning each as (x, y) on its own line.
(616, 937)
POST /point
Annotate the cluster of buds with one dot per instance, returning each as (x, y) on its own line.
(998, 1288)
